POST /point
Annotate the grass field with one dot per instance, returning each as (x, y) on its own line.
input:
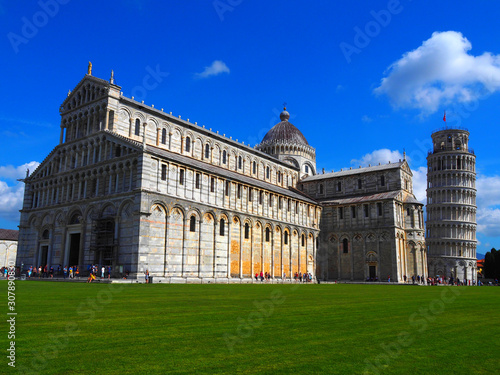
(69, 328)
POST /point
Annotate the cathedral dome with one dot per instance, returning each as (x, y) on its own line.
(284, 132)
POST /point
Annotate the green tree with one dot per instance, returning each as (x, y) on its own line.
(491, 268)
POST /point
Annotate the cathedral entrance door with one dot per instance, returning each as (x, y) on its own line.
(373, 272)
(43, 255)
(74, 249)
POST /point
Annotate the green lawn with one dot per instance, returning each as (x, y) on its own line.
(69, 328)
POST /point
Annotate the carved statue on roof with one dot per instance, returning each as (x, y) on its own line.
(89, 70)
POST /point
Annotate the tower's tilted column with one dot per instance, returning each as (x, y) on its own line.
(451, 206)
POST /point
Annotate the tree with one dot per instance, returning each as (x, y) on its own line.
(492, 264)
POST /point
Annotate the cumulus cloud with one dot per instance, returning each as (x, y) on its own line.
(488, 221)
(11, 195)
(13, 173)
(488, 200)
(217, 67)
(420, 184)
(382, 156)
(439, 72)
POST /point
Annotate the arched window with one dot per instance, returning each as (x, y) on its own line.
(207, 151)
(307, 168)
(239, 162)
(192, 224)
(321, 188)
(247, 231)
(188, 144)
(137, 127)
(286, 238)
(303, 240)
(345, 246)
(279, 177)
(45, 235)
(164, 136)
(222, 227)
(382, 180)
(268, 234)
(254, 168)
(75, 219)
(267, 172)
(224, 156)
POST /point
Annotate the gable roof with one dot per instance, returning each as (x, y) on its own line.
(226, 173)
(9, 234)
(350, 172)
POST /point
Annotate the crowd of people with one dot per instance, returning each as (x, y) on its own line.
(71, 272)
(297, 277)
(95, 271)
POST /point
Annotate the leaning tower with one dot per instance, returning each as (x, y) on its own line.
(451, 206)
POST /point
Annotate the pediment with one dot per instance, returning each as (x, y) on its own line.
(89, 89)
(50, 165)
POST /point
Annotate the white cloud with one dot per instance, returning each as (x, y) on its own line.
(366, 118)
(420, 184)
(217, 67)
(382, 156)
(488, 221)
(11, 196)
(488, 191)
(488, 197)
(440, 72)
(13, 173)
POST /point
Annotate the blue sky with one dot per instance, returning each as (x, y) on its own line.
(362, 80)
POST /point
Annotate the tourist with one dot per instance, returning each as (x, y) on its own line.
(65, 272)
(103, 270)
(389, 278)
(147, 276)
(256, 276)
(109, 272)
(51, 272)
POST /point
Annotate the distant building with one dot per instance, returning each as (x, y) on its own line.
(372, 226)
(136, 188)
(8, 247)
(451, 206)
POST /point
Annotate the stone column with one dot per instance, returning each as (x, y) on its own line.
(62, 134)
(106, 120)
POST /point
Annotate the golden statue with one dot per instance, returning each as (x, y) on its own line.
(89, 71)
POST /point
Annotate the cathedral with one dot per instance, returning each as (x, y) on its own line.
(138, 189)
